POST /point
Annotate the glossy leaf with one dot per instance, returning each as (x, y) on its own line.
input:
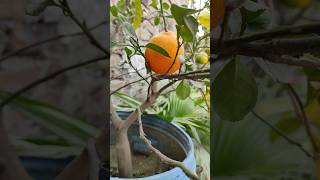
(183, 90)
(178, 13)
(235, 92)
(158, 49)
(138, 14)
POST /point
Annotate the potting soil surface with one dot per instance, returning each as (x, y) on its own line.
(143, 165)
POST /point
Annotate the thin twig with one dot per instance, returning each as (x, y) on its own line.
(195, 75)
(205, 99)
(119, 76)
(128, 84)
(163, 157)
(271, 34)
(65, 7)
(281, 134)
(47, 78)
(296, 100)
(19, 51)
(162, 15)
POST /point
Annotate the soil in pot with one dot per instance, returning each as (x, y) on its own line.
(164, 136)
(144, 165)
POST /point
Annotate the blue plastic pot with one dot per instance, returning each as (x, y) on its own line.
(169, 139)
(44, 168)
(40, 168)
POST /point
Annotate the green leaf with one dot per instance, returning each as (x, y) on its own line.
(179, 12)
(158, 49)
(128, 51)
(138, 15)
(244, 148)
(69, 128)
(235, 92)
(36, 7)
(185, 33)
(25, 148)
(250, 16)
(312, 73)
(47, 140)
(255, 17)
(156, 21)
(287, 125)
(129, 29)
(204, 19)
(183, 90)
(114, 11)
(121, 4)
(154, 4)
(128, 100)
(192, 24)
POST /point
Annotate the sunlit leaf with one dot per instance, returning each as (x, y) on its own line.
(138, 15)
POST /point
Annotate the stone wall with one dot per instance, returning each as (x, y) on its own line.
(19, 31)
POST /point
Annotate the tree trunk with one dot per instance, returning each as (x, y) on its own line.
(78, 169)
(124, 154)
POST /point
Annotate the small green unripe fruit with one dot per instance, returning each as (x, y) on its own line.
(202, 58)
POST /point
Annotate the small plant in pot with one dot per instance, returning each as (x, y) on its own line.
(176, 59)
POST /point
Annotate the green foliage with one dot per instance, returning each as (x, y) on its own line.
(70, 132)
(244, 149)
(187, 25)
(138, 14)
(183, 90)
(287, 125)
(235, 91)
(186, 113)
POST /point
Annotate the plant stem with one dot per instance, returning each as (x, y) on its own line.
(124, 154)
(19, 51)
(280, 133)
(47, 78)
(162, 15)
(296, 100)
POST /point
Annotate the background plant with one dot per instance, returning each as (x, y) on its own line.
(262, 72)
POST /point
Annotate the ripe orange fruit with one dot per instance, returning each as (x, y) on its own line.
(217, 12)
(159, 63)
